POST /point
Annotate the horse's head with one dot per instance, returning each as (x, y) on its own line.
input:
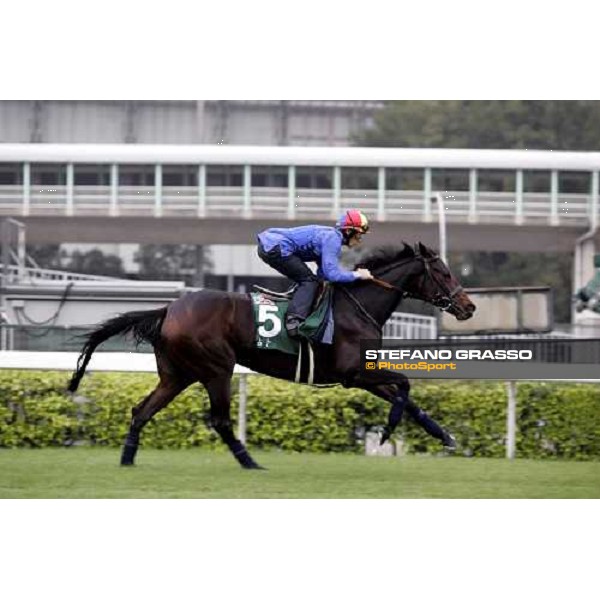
(420, 273)
(436, 284)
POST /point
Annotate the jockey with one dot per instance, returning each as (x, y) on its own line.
(287, 250)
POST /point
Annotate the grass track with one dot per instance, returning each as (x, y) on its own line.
(94, 473)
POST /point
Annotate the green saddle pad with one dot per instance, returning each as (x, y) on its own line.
(269, 322)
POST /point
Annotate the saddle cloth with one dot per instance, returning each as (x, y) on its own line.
(269, 322)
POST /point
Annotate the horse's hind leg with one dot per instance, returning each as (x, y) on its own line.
(162, 395)
(219, 391)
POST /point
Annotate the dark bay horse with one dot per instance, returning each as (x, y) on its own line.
(202, 335)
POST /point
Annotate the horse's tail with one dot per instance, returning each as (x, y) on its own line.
(145, 326)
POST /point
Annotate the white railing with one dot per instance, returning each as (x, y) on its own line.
(408, 326)
(16, 273)
(301, 203)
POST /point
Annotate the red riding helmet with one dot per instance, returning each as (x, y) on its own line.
(353, 220)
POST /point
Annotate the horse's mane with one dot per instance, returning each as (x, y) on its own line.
(384, 255)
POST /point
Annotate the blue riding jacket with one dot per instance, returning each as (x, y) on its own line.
(311, 243)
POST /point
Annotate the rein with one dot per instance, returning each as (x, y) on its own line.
(442, 300)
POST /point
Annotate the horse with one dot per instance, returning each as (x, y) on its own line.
(202, 335)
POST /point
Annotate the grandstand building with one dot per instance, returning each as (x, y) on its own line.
(252, 122)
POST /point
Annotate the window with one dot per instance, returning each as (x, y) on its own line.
(450, 180)
(136, 175)
(11, 174)
(496, 181)
(224, 176)
(314, 177)
(91, 175)
(269, 177)
(536, 182)
(359, 179)
(180, 175)
(48, 174)
(404, 179)
(574, 182)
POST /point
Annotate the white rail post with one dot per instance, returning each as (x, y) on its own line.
(70, 183)
(554, 197)
(242, 399)
(442, 227)
(291, 209)
(201, 191)
(381, 194)
(337, 192)
(26, 188)
(427, 194)
(519, 198)
(472, 196)
(595, 186)
(511, 419)
(247, 192)
(158, 206)
(114, 190)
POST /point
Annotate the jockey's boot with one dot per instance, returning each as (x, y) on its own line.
(299, 306)
(292, 323)
(449, 442)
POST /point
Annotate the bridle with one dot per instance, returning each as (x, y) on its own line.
(442, 300)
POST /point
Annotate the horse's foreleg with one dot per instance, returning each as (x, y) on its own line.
(396, 392)
(219, 391)
(143, 412)
(397, 395)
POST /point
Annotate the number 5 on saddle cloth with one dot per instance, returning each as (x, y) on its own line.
(269, 316)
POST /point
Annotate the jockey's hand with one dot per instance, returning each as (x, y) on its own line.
(363, 274)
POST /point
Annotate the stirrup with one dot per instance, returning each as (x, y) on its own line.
(283, 295)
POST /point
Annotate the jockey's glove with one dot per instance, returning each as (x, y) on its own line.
(363, 274)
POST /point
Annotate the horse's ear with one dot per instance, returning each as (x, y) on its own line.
(408, 249)
(423, 249)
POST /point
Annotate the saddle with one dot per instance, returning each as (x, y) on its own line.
(287, 295)
(269, 316)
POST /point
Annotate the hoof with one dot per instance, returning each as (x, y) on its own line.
(385, 436)
(254, 466)
(449, 442)
(128, 455)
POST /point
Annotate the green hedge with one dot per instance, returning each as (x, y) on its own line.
(553, 420)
